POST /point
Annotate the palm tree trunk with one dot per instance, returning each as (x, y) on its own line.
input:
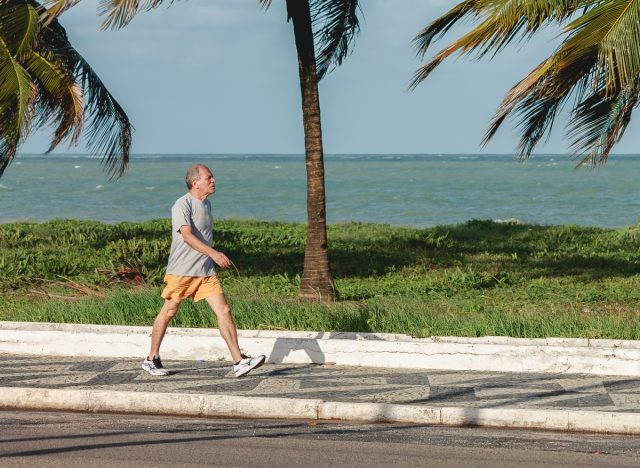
(316, 278)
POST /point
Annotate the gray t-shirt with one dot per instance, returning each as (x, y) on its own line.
(183, 260)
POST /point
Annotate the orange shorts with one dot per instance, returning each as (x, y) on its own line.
(178, 288)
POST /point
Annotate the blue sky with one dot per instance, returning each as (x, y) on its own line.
(220, 76)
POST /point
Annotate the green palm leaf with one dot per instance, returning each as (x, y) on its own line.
(19, 26)
(613, 27)
(539, 96)
(438, 28)
(119, 13)
(337, 24)
(59, 99)
(55, 9)
(501, 22)
(599, 122)
(16, 105)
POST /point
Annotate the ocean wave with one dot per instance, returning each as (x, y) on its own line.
(509, 221)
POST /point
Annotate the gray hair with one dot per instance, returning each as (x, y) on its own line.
(193, 174)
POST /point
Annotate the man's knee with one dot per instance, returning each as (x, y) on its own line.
(218, 304)
(223, 311)
(170, 309)
(220, 307)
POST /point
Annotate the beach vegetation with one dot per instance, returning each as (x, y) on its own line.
(480, 278)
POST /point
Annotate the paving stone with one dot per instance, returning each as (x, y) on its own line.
(96, 366)
(344, 382)
(598, 400)
(113, 378)
(451, 394)
(618, 385)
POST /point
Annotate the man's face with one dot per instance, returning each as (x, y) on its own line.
(206, 184)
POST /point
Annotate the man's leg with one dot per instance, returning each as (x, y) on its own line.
(227, 327)
(168, 311)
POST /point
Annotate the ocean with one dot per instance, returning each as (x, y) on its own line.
(409, 190)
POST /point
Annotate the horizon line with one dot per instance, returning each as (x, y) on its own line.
(570, 155)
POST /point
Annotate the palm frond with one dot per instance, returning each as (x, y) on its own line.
(577, 68)
(600, 120)
(337, 25)
(59, 99)
(19, 26)
(54, 8)
(613, 27)
(109, 127)
(109, 130)
(17, 95)
(119, 13)
(534, 104)
(501, 22)
(438, 28)
(15, 87)
(540, 95)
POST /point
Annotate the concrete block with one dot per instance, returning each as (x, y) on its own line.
(44, 399)
(379, 412)
(497, 417)
(252, 407)
(597, 421)
(145, 402)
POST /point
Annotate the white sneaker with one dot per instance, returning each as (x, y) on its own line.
(154, 366)
(247, 363)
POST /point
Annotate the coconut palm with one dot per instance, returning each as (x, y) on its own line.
(597, 65)
(338, 25)
(45, 82)
(332, 25)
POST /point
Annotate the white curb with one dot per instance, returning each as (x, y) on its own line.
(497, 354)
(101, 401)
(108, 401)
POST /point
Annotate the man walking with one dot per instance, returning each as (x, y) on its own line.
(191, 272)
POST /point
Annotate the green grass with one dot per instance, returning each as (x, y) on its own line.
(474, 279)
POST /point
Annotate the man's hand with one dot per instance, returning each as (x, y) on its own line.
(192, 241)
(221, 259)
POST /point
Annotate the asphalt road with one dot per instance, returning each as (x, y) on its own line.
(89, 440)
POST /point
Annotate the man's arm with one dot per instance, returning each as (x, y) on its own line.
(192, 241)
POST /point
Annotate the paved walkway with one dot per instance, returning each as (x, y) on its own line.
(333, 383)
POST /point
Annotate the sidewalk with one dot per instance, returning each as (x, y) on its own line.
(322, 391)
